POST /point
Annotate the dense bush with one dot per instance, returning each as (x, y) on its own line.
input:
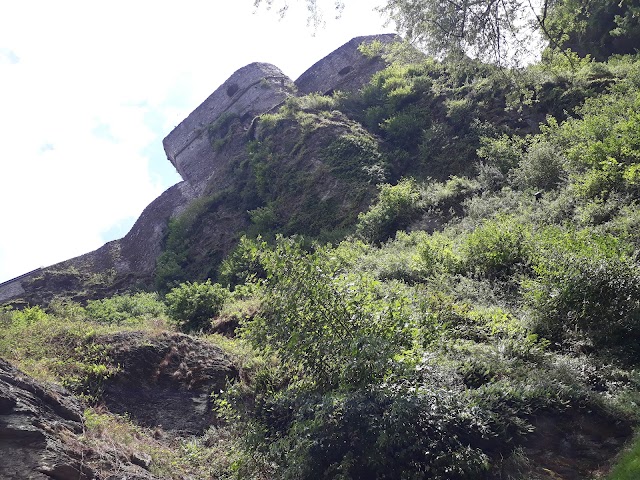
(381, 433)
(397, 206)
(586, 284)
(497, 248)
(599, 28)
(542, 168)
(356, 156)
(243, 264)
(194, 304)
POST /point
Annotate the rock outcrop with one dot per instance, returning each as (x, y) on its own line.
(166, 381)
(33, 421)
(193, 147)
(40, 435)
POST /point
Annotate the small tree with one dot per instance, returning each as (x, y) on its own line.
(193, 304)
(340, 330)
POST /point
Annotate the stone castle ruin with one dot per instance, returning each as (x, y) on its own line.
(253, 90)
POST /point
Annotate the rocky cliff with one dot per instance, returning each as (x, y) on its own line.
(208, 149)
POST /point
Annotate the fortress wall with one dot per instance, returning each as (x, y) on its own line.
(250, 91)
(344, 69)
(13, 288)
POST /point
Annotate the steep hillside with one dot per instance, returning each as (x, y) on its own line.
(394, 267)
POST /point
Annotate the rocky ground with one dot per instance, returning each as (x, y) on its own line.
(162, 381)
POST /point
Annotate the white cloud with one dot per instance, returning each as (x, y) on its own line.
(89, 89)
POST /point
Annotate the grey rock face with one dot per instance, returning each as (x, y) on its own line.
(345, 69)
(250, 91)
(41, 428)
(33, 418)
(142, 245)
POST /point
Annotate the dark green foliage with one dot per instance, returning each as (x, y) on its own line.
(385, 434)
(356, 156)
(431, 115)
(194, 304)
(182, 259)
(599, 28)
(586, 284)
(243, 264)
(315, 178)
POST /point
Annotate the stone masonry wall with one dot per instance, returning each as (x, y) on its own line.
(344, 69)
(13, 288)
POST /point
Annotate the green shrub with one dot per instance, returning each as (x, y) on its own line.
(125, 308)
(603, 145)
(586, 284)
(355, 156)
(220, 131)
(194, 304)
(366, 434)
(28, 316)
(435, 254)
(497, 248)
(628, 465)
(178, 261)
(542, 167)
(503, 152)
(243, 265)
(397, 206)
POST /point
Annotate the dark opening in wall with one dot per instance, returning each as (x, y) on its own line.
(232, 89)
(345, 70)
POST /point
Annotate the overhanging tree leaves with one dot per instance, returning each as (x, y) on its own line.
(504, 32)
(493, 30)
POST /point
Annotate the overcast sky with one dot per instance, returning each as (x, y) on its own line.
(88, 90)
